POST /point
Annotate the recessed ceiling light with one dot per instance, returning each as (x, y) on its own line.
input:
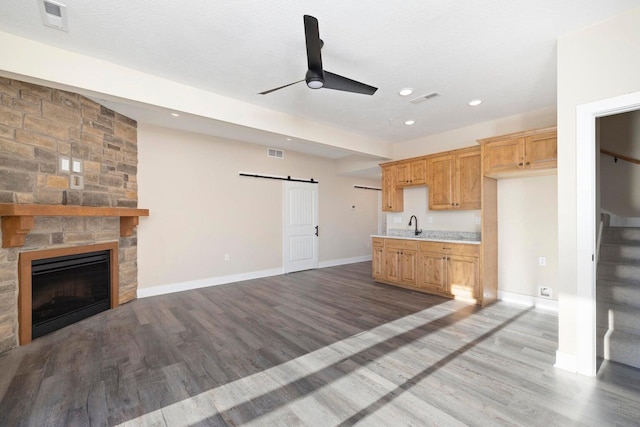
(475, 102)
(288, 139)
(409, 122)
(405, 92)
(175, 114)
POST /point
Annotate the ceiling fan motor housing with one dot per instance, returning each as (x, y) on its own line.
(314, 79)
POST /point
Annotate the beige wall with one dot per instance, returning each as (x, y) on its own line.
(527, 230)
(596, 63)
(200, 209)
(467, 136)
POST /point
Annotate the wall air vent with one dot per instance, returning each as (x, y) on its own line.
(275, 153)
(53, 14)
(423, 98)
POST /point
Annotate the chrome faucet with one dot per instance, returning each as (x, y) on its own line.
(417, 232)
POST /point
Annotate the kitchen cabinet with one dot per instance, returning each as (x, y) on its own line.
(400, 261)
(450, 269)
(441, 268)
(411, 173)
(523, 152)
(392, 197)
(377, 245)
(455, 180)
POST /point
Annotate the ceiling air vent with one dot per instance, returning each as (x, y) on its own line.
(278, 154)
(53, 14)
(423, 98)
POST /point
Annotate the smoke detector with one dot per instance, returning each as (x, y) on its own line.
(53, 14)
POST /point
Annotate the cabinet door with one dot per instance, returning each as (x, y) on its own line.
(378, 263)
(541, 151)
(418, 172)
(408, 266)
(392, 197)
(468, 181)
(392, 265)
(432, 269)
(403, 173)
(441, 173)
(463, 275)
(504, 156)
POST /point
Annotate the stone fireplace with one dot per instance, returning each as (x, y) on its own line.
(59, 149)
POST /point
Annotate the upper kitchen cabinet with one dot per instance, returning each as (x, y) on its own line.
(412, 173)
(392, 197)
(531, 153)
(455, 180)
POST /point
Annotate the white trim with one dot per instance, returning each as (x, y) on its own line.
(586, 115)
(565, 361)
(621, 221)
(204, 283)
(529, 301)
(343, 261)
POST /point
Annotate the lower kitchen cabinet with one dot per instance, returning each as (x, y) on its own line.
(400, 261)
(446, 269)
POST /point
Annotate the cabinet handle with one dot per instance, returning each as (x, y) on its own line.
(528, 163)
(452, 204)
(520, 164)
(457, 204)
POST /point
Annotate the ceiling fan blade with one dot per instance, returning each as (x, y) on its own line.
(314, 44)
(336, 82)
(278, 88)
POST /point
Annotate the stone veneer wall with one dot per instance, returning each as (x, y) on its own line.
(38, 125)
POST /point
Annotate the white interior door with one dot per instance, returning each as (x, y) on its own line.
(300, 226)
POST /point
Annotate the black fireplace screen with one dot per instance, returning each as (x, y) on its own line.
(67, 289)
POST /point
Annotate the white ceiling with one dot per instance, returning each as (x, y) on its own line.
(502, 51)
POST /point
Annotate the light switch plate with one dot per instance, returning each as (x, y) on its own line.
(65, 164)
(397, 220)
(76, 166)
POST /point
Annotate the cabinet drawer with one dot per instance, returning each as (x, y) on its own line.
(401, 244)
(451, 248)
(377, 242)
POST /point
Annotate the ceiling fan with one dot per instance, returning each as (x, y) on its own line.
(316, 76)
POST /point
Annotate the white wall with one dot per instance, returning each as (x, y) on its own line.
(596, 63)
(201, 209)
(527, 230)
(416, 202)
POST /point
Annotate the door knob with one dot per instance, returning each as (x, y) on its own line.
(316, 230)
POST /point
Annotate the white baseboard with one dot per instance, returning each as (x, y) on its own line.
(222, 280)
(529, 301)
(566, 362)
(203, 283)
(343, 261)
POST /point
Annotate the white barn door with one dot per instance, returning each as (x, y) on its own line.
(300, 226)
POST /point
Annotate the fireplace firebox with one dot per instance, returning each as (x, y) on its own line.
(68, 289)
(62, 286)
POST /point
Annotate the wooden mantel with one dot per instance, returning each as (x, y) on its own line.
(17, 218)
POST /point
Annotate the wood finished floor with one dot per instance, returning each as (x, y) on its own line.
(323, 348)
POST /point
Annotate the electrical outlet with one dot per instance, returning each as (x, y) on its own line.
(397, 220)
(545, 292)
(478, 220)
(542, 261)
(226, 257)
(430, 220)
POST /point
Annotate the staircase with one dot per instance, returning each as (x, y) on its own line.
(618, 295)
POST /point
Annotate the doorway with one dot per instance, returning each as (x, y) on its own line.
(587, 220)
(301, 228)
